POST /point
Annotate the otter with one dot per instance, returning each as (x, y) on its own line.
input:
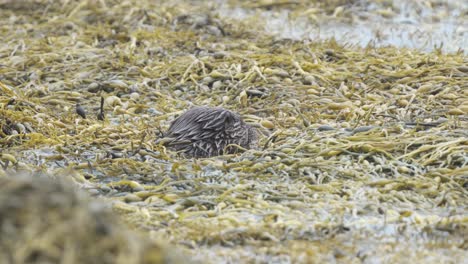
(210, 131)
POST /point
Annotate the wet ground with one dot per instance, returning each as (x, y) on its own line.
(422, 25)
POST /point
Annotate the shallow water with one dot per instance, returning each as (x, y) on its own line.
(409, 24)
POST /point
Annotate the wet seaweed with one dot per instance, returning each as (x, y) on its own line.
(361, 149)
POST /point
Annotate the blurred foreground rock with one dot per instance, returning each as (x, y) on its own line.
(46, 221)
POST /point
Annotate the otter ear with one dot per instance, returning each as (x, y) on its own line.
(229, 119)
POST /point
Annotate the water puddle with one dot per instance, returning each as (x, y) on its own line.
(407, 24)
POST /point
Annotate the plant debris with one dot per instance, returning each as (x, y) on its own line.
(362, 154)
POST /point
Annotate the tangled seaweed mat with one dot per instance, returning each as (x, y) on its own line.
(46, 221)
(364, 157)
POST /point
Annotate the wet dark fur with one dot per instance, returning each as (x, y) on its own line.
(207, 131)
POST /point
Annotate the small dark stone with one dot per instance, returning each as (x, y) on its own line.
(325, 128)
(80, 111)
(261, 92)
(209, 131)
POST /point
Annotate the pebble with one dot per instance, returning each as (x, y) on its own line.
(217, 85)
(325, 128)
(130, 198)
(362, 129)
